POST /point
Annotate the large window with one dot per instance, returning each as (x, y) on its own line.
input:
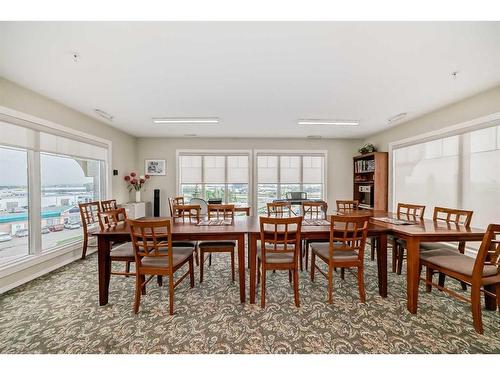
(279, 174)
(14, 203)
(44, 177)
(461, 171)
(210, 176)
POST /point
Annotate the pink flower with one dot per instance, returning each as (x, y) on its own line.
(142, 180)
(133, 182)
(147, 177)
(133, 174)
(126, 178)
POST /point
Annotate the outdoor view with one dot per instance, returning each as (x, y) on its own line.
(60, 195)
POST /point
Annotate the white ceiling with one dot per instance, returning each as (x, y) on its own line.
(259, 78)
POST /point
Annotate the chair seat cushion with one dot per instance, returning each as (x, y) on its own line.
(285, 257)
(184, 244)
(123, 250)
(455, 261)
(323, 250)
(179, 254)
(216, 244)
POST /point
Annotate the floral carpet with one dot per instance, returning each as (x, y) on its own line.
(59, 313)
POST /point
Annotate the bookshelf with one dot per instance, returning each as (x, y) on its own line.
(370, 173)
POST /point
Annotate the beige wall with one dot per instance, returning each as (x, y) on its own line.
(339, 161)
(482, 104)
(124, 156)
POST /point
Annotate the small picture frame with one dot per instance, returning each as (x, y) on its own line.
(155, 167)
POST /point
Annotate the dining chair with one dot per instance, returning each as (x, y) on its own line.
(155, 256)
(279, 209)
(279, 249)
(218, 212)
(182, 212)
(352, 205)
(410, 212)
(482, 274)
(345, 250)
(121, 252)
(311, 211)
(109, 205)
(90, 222)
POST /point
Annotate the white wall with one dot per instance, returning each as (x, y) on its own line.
(339, 163)
(124, 155)
(482, 104)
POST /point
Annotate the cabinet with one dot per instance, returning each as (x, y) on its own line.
(370, 180)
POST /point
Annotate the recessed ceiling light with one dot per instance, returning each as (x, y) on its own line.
(454, 74)
(329, 122)
(186, 120)
(397, 117)
(103, 114)
(76, 56)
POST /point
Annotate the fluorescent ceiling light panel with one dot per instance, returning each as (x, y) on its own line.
(329, 122)
(186, 120)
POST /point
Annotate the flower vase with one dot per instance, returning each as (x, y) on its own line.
(138, 196)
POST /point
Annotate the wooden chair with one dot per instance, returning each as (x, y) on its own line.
(482, 273)
(279, 250)
(279, 209)
(312, 210)
(123, 252)
(345, 250)
(109, 205)
(405, 211)
(347, 205)
(155, 255)
(223, 212)
(182, 212)
(90, 222)
(175, 201)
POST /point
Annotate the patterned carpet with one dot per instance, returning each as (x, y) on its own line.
(59, 313)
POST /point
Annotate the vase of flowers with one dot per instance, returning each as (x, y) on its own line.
(366, 148)
(136, 183)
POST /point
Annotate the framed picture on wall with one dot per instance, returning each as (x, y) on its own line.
(155, 167)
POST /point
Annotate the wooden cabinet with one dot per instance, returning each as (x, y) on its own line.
(370, 180)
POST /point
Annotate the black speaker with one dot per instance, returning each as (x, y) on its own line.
(156, 204)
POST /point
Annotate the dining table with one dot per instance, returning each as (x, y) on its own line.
(422, 230)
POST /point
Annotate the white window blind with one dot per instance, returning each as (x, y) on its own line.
(459, 171)
(267, 169)
(17, 136)
(237, 169)
(214, 169)
(290, 169)
(190, 169)
(55, 144)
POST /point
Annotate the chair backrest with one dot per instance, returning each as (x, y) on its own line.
(173, 202)
(452, 215)
(406, 210)
(279, 209)
(348, 233)
(151, 238)
(296, 195)
(109, 205)
(89, 213)
(221, 211)
(111, 218)
(202, 203)
(347, 205)
(489, 252)
(280, 235)
(314, 210)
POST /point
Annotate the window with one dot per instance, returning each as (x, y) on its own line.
(278, 175)
(14, 204)
(215, 175)
(44, 177)
(61, 193)
(461, 171)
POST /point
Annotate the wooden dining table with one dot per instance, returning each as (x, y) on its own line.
(422, 231)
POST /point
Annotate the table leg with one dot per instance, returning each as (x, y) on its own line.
(104, 262)
(241, 266)
(490, 301)
(413, 273)
(253, 265)
(382, 264)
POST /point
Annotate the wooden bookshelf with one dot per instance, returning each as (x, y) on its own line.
(371, 170)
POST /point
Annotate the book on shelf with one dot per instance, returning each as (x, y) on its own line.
(361, 166)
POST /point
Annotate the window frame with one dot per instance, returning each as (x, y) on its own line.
(279, 153)
(479, 123)
(225, 154)
(35, 254)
